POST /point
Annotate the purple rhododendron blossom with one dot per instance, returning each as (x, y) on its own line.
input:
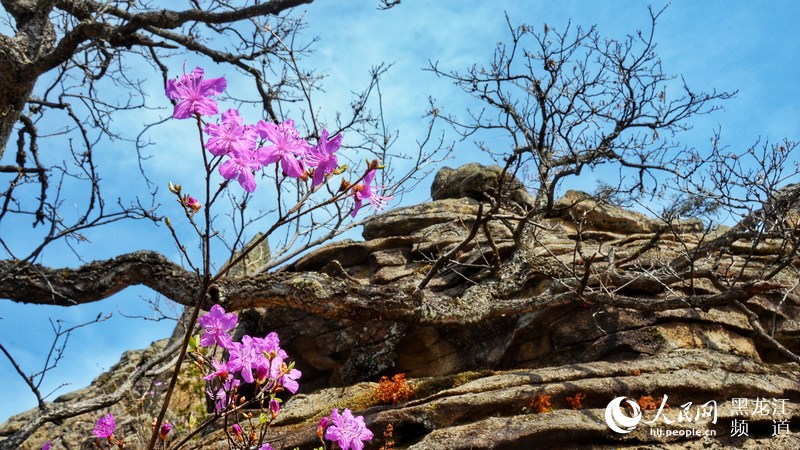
(274, 407)
(270, 345)
(241, 166)
(105, 427)
(265, 447)
(322, 157)
(230, 135)
(246, 356)
(192, 94)
(47, 445)
(289, 379)
(221, 370)
(216, 324)
(273, 356)
(287, 147)
(366, 191)
(347, 431)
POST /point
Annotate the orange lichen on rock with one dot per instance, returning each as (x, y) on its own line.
(647, 402)
(574, 402)
(542, 403)
(394, 391)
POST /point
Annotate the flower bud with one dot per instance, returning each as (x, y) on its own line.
(323, 424)
(193, 204)
(274, 407)
(237, 431)
(164, 431)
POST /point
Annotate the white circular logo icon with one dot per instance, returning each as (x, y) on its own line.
(619, 421)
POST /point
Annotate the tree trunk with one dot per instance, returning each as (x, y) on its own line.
(18, 55)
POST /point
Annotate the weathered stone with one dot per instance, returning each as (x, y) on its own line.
(412, 219)
(487, 337)
(477, 182)
(582, 208)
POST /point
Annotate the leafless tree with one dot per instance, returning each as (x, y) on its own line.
(553, 104)
(69, 61)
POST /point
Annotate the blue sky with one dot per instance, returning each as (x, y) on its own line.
(752, 47)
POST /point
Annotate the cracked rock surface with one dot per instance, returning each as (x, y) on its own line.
(514, 327)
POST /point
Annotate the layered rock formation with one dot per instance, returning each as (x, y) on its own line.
(522, 343)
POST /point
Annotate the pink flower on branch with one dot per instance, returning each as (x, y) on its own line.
(230, 135)
(289, 378)
(191, 94)
(347, 431)
(368, 191)
(104, 428)
(287, 147)
(245, 356)
(322, 157)
(221, 370)
(241, 166)
(216, 324)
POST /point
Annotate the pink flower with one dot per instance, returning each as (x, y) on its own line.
(364, 191)
(289, 379)
(241, 166)
(347, 431)
(322, 157)
(287, 147)
(216, 324)
(270, 347)
(244, 357)
(237, 429)
(221, 370)
(47, 445)
(265, 447)
(105, 427)
(192, 94)
(230, 135)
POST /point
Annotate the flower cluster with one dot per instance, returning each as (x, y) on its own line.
(345, 429)
(103, 432)
(246, 149)
(104, 428)
(252, 359)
